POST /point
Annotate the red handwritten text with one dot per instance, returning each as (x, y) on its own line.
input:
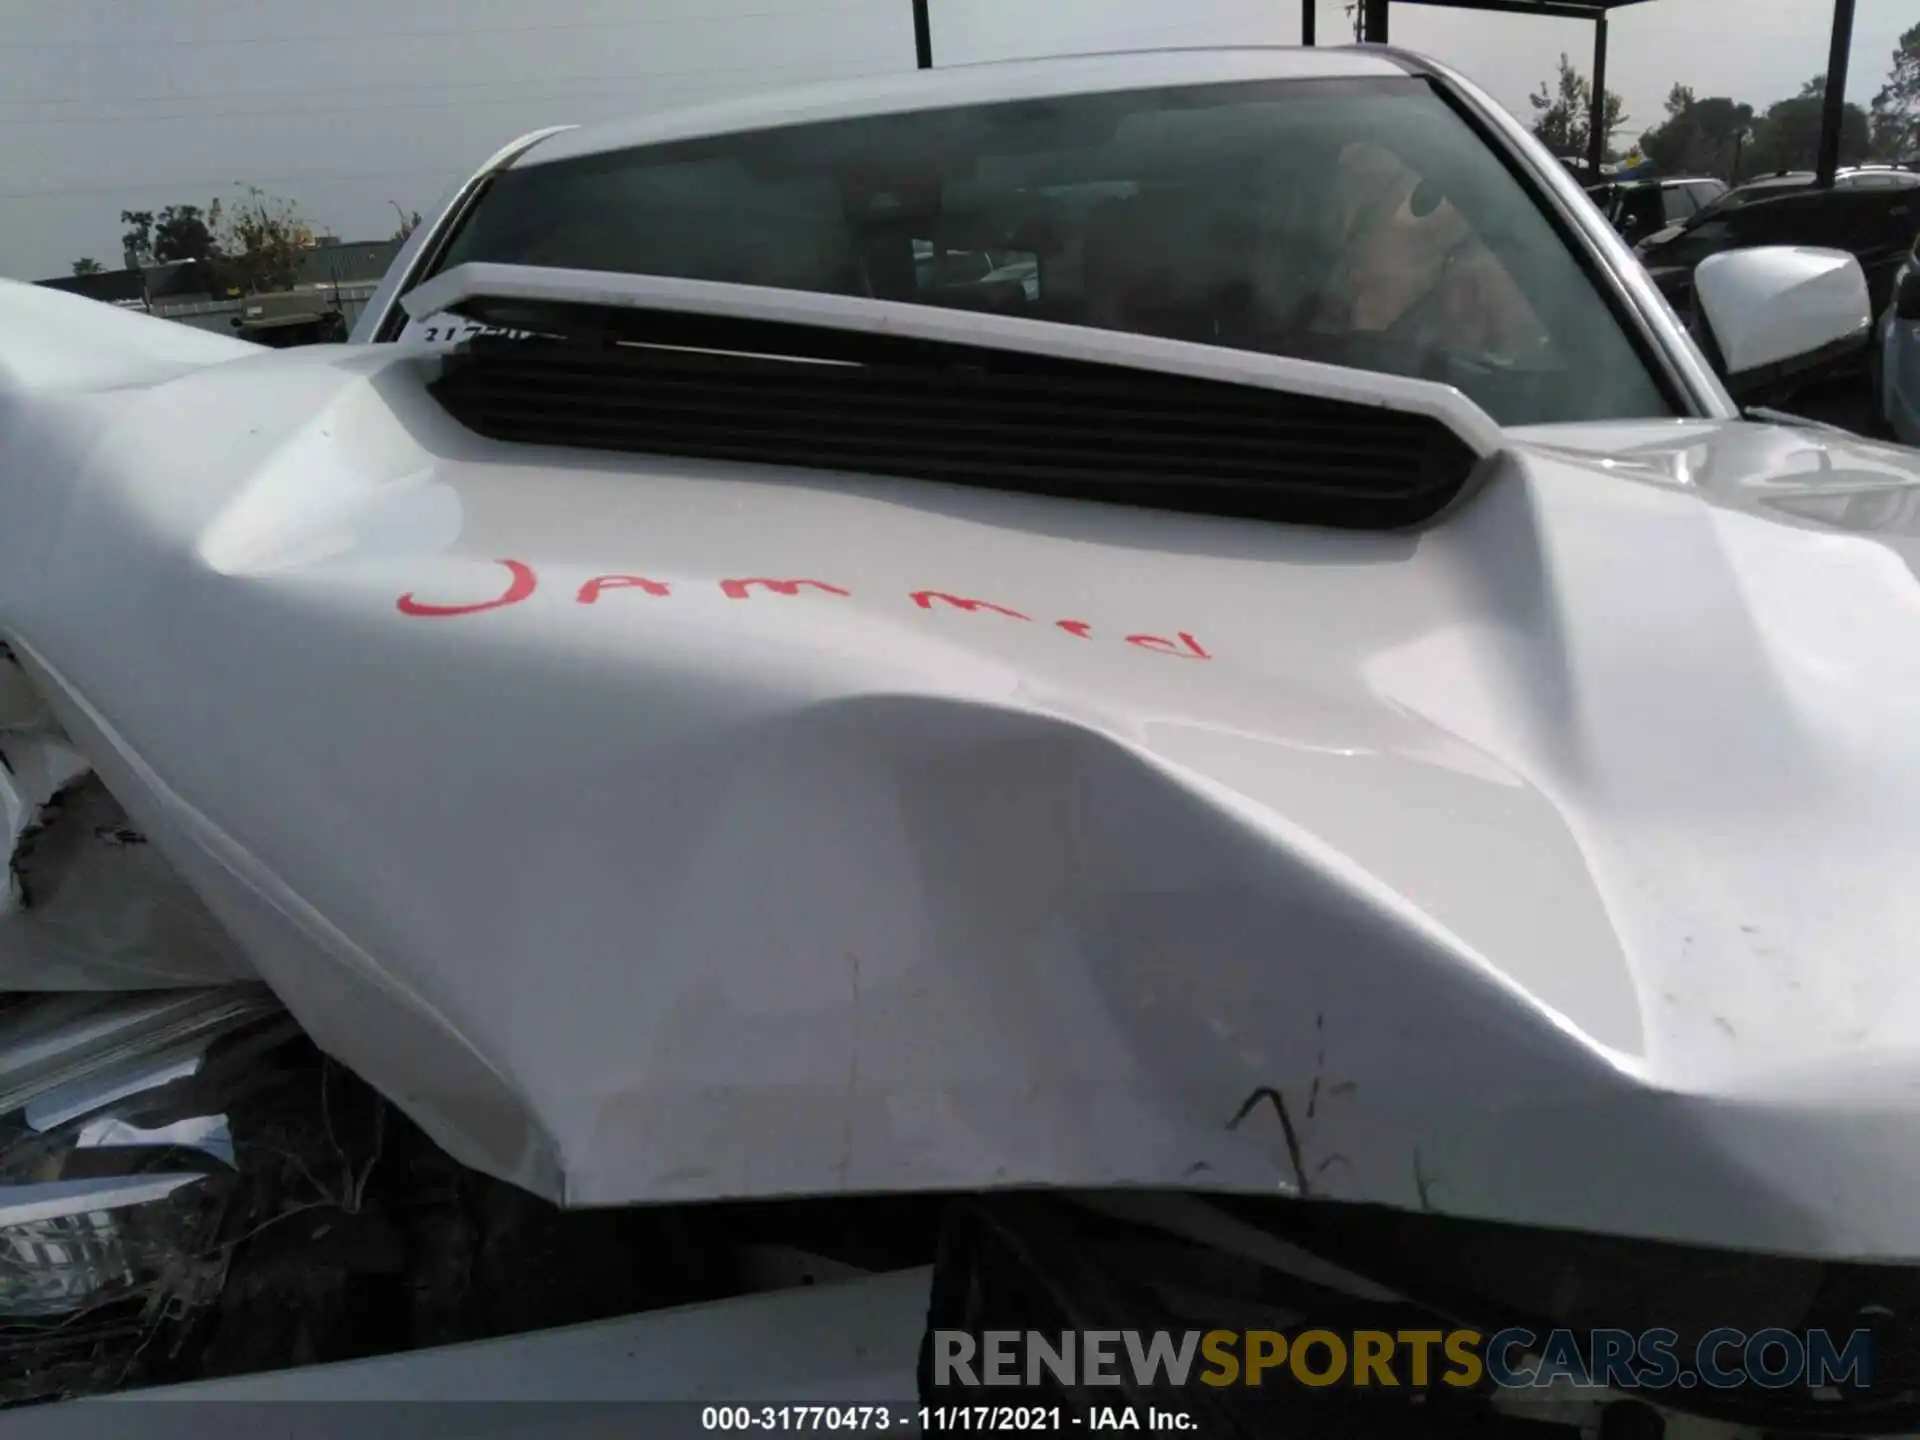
(925, 598)
(521, 584)
(590, 591)
(737, 589)
(1192, 650)
(518, 588)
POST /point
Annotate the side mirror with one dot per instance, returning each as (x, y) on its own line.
(1777, 313)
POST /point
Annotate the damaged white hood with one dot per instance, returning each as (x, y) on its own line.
(664, 830)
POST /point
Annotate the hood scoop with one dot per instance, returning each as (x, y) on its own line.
(820, 393)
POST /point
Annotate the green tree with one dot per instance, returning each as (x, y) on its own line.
(87, 265)
(1700, 137)
(137, 244)
(1896, 109)
(1787, 137)
(181, 232)
(261, 239)
(1563, 116)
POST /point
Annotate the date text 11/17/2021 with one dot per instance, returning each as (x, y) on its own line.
(943, 1419)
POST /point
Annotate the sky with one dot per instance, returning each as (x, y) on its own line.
(353, 107)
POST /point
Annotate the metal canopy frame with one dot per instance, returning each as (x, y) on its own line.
(923, 35)
(1561, 9)
(1833, 108)
(1374, 27)
(1373, 15)
(1833, 103)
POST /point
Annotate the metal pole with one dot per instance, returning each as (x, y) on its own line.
(1306, 22)
(1833, 110)
(922, 35)
(1597, 121)
(1375, 12)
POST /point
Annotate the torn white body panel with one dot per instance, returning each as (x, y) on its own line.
(87, 904)
(1549, 865)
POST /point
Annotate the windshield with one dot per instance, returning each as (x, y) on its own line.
(1361, 223)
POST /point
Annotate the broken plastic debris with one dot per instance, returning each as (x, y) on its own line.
(55, 1046)
(56, 1107)
(209, 1134)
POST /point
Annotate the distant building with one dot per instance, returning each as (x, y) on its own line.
(115, 287)
(345, 262)
(143, 287)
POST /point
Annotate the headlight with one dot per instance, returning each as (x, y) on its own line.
(117, 1165)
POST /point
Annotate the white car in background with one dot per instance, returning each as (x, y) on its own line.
(1295, 751)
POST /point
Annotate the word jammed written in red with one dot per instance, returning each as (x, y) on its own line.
(522, 582)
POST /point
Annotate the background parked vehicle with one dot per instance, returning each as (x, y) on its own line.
(1872, 213)
(292, 317)
(1781, 186)
(1786, 182)
(1638, 208)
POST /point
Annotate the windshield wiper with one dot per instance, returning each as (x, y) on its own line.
(1769, 416)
